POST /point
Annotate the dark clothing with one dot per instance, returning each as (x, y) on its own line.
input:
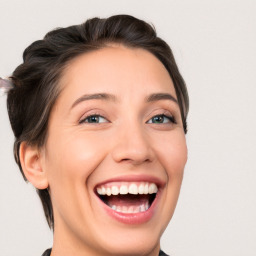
(48, 252)
(161, 253)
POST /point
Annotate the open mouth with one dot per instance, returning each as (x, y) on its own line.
(128, 197)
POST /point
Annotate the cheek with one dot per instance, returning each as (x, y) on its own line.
(71, 160)
(75, 153)
(172, 153)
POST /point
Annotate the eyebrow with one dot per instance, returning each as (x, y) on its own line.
(96, 96)
(161, 96)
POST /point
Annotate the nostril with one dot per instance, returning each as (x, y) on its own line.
(132, 154)
(135, 161)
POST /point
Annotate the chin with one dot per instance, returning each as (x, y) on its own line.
(130, 241)
(133, 246)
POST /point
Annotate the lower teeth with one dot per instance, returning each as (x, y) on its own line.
(131, 209)
(129, 203)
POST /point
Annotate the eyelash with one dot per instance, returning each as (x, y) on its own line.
(170, 119)
(84, 120)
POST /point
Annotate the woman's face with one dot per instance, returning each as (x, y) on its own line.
(115, 154)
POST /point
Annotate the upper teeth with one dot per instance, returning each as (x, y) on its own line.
(125, 188)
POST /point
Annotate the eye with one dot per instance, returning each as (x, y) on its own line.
(161, 119)
(94, 119)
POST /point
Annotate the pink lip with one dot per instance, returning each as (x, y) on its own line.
(133, 218)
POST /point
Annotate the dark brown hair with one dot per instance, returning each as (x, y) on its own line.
(35, 81)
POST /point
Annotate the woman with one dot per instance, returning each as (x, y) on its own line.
(99, 112)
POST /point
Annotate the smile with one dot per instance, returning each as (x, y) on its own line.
(128, 197)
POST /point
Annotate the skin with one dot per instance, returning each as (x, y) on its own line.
(125, 142)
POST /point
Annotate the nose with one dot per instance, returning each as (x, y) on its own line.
(132, 145)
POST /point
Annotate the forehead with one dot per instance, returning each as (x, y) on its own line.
(116, 69)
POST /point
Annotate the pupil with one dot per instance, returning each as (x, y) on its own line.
(93, 119)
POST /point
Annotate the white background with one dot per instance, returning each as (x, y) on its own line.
(214, 43)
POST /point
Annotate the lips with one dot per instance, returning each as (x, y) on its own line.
(128, 201)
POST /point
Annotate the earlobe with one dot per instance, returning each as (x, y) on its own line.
(31, 162)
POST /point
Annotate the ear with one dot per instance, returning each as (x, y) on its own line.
(31, 162)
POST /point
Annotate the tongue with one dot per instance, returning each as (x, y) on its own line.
(127, 200)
